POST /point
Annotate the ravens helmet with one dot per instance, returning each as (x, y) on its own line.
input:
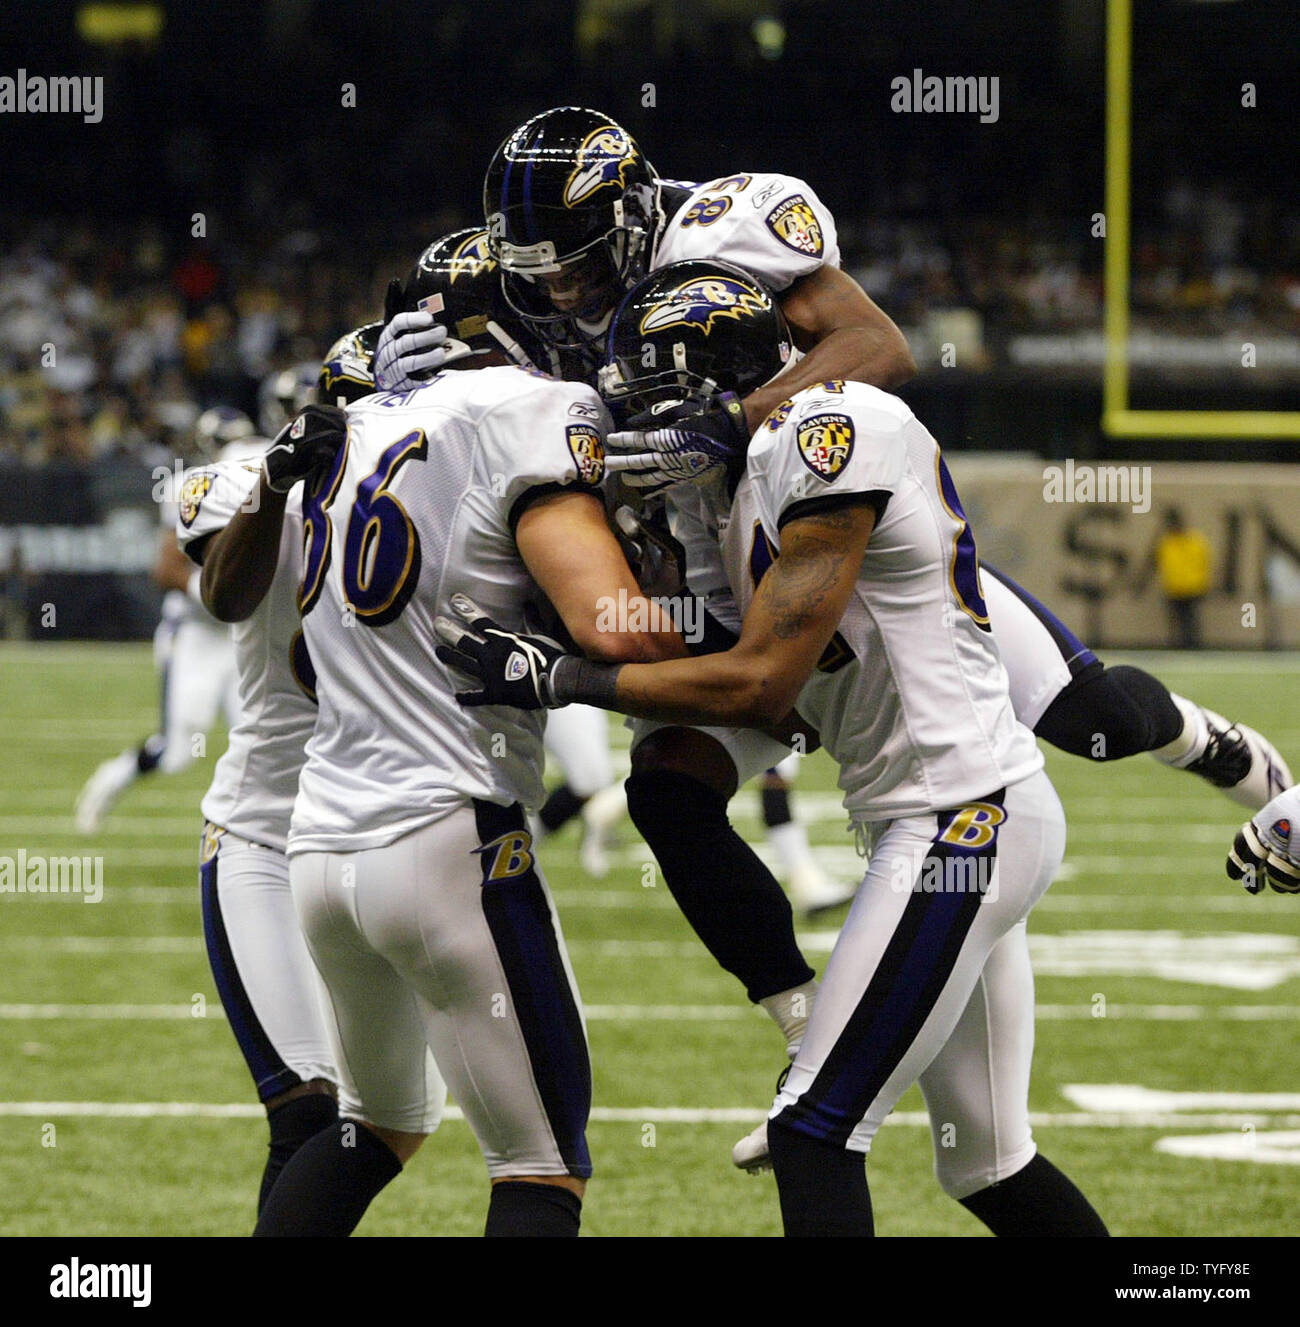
(218, 426)
(284, 393)
(347, 374)
(569, 195)
(456, 280)
(692, 330)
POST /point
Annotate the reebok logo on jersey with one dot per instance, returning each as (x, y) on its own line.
(588, 452)
(193, 491)
(826, 443)
(794, 223)
(516, 667)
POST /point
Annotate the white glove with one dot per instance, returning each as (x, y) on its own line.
(410, 349)
(1266, 849)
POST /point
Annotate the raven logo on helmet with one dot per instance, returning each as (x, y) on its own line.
(826, 443)
(605, 157)
(700, 302)
(794, 223)
(470, 258)
(588, 452)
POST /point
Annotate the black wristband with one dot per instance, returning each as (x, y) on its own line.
(577, 681)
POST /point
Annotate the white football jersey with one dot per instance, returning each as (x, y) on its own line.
(910, 697)
(256, 779)
(425, 506)
(773, 226)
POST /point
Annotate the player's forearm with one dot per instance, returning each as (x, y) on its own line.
(733, 689)
(240, 561)
(876, 354)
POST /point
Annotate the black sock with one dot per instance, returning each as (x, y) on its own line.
(1110, 713)
(520, 1207)
(776, 807)
(149, 753)
(823, 1187)
(331, 1180)
(731, 900)
(1037, 1200)
(560, 807)
(292, 1124)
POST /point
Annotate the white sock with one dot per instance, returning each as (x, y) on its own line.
(1191, 742)
(790, 843)
(791, 1010)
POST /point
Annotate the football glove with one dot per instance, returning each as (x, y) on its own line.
(513, 668)
(410, 347)
(678, 442)
(1265, 848)
(305, 446)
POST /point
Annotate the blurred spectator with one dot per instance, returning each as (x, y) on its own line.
(1183, 564)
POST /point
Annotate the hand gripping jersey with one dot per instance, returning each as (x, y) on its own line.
(910, 697)
(256, 779)
(773, 226)
(423, 504)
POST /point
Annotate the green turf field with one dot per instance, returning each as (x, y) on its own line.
(123, 1113)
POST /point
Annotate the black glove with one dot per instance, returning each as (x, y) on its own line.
(305, 446)
(514, 668)
(1262, 853)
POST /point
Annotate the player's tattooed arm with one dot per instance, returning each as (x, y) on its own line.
(844, 334)
(791, 620)
(239, 561)
(572, 553)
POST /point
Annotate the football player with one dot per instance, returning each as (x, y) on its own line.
(856, 577)
(192, 650)
(243, 526)
(575, 214)
(410, 862)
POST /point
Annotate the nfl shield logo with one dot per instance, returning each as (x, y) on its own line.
(826, 443)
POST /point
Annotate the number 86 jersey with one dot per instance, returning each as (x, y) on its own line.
(910, 696)
(422, 503)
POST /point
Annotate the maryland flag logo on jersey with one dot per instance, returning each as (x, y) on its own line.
(193, 491)
(826, 443)
(471, 258)
(588, 452)
(700, 302)
(794, 223)
(603, 158)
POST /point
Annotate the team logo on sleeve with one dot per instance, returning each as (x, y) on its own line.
(193, 491)
(604, 158)
(700, 302)
(826, 443)
(588, 452)
(793, 222)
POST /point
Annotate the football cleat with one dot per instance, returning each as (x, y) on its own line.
(600, 813)
(752, 1154)
(812, 891)
(109, 781)
(1240, 762)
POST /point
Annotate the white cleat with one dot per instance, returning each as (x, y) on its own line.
(1243, 764)
(751, 1154)
(813, 891)
(109, 781)
(600, 813)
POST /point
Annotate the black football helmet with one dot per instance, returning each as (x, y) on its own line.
(569, 188)
(456, 279)
(347, 373)
(690, 331)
